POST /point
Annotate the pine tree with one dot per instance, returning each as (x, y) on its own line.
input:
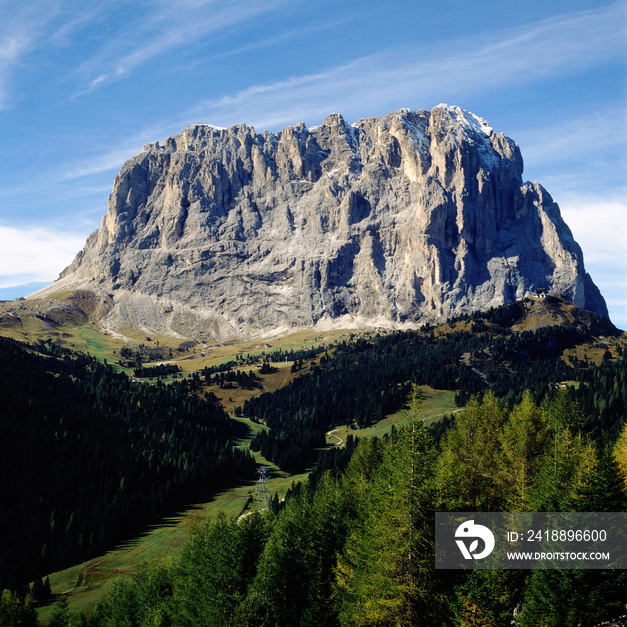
(620, 454)
(581, 597)
(328, 534)
(60, 616)
(486, 598)
(568, 458)
(122, 608)
(209, 589)
(279, 592)
(38, 591)
(15, 611)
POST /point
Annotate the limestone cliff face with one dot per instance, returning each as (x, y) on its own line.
(408, 218)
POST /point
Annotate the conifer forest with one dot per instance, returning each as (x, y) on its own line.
(88, 454)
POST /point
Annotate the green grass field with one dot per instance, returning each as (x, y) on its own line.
(97, 344)
(436, 405)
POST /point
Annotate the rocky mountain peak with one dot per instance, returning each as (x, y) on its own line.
(394, 220)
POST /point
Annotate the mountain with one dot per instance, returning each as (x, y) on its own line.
(398, 220)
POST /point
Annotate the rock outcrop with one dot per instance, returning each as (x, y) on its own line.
(400, 220)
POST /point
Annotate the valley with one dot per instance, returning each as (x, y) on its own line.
(87, 584)
(276, 313)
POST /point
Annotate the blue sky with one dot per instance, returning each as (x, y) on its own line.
(84, 85)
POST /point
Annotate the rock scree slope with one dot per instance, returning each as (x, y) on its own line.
(398, 220)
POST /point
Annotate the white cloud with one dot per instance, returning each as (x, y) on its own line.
(37, 254)
(599, 226)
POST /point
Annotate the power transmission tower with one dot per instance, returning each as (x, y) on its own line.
(262, 492)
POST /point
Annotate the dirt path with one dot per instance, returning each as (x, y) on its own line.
(446, 413)
(337, 437)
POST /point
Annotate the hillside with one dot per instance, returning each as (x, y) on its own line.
(300, 388)
(87, 457)
(369, 378)
(357, 546)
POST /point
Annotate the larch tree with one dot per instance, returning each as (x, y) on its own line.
(470, 468)
(385, 574)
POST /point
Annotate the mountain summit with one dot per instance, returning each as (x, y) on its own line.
(396, 220)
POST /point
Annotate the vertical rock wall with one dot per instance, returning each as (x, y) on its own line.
(404, 219)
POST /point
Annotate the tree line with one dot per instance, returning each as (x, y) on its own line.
(152, 372)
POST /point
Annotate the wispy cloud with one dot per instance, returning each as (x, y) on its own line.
(455, 70)
(111, 160)
(377, 83)
(28, 255)
(78, 16)
(578, 155)
(166, 27)
(292, 34)
(603, 129)
(15, 40)
(28, 26)
(385, 81)
(145, 31)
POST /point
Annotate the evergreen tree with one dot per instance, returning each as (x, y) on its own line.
(523, 439)
(122, 607)
(569, 457)
(328, 535)
(217, 565)
(568, 598)
(487, 598)
(280, 590)
(620, 454)
(38, 590)
(581, 597)
(60, 616)
(15, 611)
